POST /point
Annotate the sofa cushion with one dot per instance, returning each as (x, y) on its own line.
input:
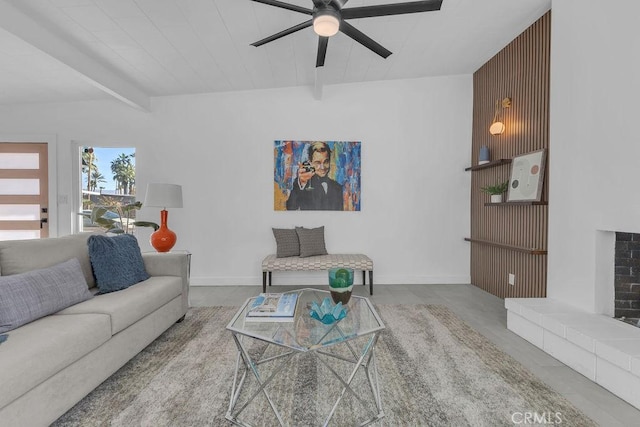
(287, 243)
(40, 349)
(117, 262)
(20, 256)
(132, 304)
(311, 241)
(29, 296)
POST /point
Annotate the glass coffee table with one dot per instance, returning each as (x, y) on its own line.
(342, 351)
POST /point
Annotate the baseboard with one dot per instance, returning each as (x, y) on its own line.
(316, 278)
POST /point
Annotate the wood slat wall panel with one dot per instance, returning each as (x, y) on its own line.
(521, 72)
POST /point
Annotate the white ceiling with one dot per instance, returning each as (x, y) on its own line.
(70, 50)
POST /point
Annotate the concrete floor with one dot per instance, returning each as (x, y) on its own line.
(486, 314)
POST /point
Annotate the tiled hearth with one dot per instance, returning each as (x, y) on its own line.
(599, 347)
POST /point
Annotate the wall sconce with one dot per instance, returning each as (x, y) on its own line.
(497, 126)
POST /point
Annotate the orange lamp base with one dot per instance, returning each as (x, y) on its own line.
(163, 239)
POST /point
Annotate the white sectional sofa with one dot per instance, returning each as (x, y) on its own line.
(50, 364)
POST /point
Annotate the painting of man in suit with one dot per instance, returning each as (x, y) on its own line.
(317, 175)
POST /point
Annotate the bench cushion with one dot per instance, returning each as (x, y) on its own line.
(319, 262)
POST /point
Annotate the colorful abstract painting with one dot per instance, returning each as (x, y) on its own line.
(317, 175)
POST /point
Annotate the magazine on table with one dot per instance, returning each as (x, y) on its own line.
(273, 308)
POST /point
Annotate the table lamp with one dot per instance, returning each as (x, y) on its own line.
(163, 196)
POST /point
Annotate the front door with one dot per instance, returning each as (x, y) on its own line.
(24, 190)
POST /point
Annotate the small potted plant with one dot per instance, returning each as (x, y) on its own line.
(496, 191)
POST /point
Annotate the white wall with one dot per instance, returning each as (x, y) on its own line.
(594, 139)
(416, 137)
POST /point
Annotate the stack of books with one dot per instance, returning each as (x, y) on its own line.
(273, 308)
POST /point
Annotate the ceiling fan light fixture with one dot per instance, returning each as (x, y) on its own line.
(328, 17)
(326, 23)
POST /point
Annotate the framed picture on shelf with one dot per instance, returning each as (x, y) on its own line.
(527, 175)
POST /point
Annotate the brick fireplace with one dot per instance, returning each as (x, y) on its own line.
(627, 276)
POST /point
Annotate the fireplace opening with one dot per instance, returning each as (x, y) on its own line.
(627, 278)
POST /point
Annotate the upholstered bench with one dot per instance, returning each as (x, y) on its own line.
(319, 262)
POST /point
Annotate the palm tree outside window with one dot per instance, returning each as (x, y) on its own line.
(108, 177)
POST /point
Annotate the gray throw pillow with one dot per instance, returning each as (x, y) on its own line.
(117, 262)
(287, 243)
(29, 296)
(311, 241)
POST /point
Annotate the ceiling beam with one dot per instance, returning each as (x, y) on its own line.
(318, 83)
(46, 40)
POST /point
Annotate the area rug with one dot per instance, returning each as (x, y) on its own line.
(434, 370)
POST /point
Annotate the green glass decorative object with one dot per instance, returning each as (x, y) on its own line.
(341, 284)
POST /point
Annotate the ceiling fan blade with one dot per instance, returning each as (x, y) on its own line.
(287, 6)
(339, 4)
(391, 9)
(284, 33)
(363, 39)
(322, 51)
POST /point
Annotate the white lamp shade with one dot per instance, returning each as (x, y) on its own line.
(326, 25)
(496, 128)
(163, 196)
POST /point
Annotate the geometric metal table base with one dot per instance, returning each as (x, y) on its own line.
(366, 360)
(345, 349)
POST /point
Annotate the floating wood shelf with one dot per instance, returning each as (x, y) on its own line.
(517, 204)
(493, 164)
(530, 251)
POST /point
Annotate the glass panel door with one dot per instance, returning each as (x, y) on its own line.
(23, 191)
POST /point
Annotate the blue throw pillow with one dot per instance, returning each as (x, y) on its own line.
(117, 262)
(29, 296)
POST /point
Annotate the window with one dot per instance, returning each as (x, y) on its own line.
(108, 180)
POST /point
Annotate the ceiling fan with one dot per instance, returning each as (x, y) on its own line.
(328, 17)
